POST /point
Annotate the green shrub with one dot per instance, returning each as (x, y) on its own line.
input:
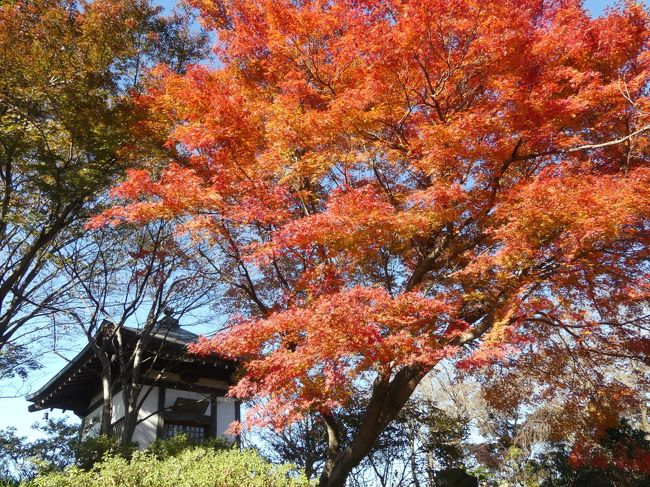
(93, 449)
(193, 467)
(171, 447)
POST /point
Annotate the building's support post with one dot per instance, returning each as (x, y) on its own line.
(160, 427)
(214, 431)
(238, 418)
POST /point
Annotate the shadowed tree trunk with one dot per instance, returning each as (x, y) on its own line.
(388, 398)
(106, 425)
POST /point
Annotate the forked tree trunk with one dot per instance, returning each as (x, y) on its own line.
(131, 394)
(337, 470)
(131, 410)
(388, 398)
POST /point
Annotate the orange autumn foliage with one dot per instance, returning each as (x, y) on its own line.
(391, 183)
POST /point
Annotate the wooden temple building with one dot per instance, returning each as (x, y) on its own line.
(181, 393)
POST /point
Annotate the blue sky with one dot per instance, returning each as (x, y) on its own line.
(13, 412)
(598, 6)
(595, 6)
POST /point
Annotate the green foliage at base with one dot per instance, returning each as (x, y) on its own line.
(93, 449)
(193, 467)
(171, 447)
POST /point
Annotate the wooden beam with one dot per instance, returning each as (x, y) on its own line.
(160, 427)
(213, 416)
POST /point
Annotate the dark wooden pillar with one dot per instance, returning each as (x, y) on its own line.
(160, 427)
(238, 418)
(214, 431)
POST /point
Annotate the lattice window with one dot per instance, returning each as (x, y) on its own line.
(118, 426)
(197, 433)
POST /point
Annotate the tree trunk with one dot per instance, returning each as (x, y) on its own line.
(131, 410)
(131, 392)
(338, 468)
(107, 407)
(106, 425)
(336, 476)
(388, 398)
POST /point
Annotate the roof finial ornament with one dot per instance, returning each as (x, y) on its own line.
(168, 322)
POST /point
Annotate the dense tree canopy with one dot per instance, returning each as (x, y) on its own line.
(389, 184)
(68, 131)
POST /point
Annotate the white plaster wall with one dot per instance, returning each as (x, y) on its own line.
(92, 423)
(225, 414)
(118, 406)
(145, 432)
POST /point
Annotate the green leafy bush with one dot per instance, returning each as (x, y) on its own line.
(171, 447)
(95, 448)
(193, 467)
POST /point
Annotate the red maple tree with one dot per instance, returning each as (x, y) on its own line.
(391, 183)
